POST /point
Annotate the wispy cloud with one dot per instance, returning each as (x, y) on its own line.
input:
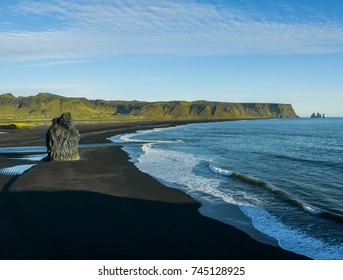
(59, 62)
(91, 28)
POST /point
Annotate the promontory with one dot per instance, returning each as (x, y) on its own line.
(46, 106)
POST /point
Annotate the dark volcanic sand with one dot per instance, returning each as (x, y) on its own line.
(103, 207)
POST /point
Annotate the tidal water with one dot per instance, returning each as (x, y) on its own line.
(282, 178)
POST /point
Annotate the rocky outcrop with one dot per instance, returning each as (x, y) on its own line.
(317, 116)
(8, 126)
(62, 139)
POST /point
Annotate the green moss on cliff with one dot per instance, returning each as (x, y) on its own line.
(45, 106)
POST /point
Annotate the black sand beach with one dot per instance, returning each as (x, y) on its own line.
(103, 207)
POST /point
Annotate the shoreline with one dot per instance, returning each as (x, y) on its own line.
(103, 207)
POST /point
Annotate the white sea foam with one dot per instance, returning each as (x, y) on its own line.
(311, 209)
(29, 149)
(128, 138)
(33, 157)
(219, 170)
(289, 238)
(177, 168)
(16, 170)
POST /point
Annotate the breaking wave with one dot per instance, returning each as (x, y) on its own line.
(257, 182)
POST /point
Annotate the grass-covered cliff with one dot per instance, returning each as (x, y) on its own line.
(45, 106)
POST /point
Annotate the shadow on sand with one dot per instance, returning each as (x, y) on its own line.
(87, 225)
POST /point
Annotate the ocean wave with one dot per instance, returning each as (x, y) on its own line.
(319, 162)
(248, 179)
(176, 168)
(257, 182)
(219, 170)
(290, 238)
(128, 138)
(310, 209)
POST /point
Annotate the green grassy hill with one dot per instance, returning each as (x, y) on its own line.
(46, 106)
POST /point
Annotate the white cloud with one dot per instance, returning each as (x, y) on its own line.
(58, 62)
(109, 27)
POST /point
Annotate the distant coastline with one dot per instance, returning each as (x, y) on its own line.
(45, 106)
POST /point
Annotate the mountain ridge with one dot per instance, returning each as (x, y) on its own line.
(46, 106)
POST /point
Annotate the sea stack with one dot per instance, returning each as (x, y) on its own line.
(317, 116)
(62, 139)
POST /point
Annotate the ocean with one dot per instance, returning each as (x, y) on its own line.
(278, 180)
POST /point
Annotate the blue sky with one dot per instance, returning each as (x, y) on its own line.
(232, 50)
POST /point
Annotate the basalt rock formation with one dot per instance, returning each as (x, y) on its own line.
(317, 116)
(62, 139)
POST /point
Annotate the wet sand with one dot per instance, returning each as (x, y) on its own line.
(103, 207)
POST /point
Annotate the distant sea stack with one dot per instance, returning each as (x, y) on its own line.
(62, 139)
(317, 116)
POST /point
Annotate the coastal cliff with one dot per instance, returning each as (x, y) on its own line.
(46, 106)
